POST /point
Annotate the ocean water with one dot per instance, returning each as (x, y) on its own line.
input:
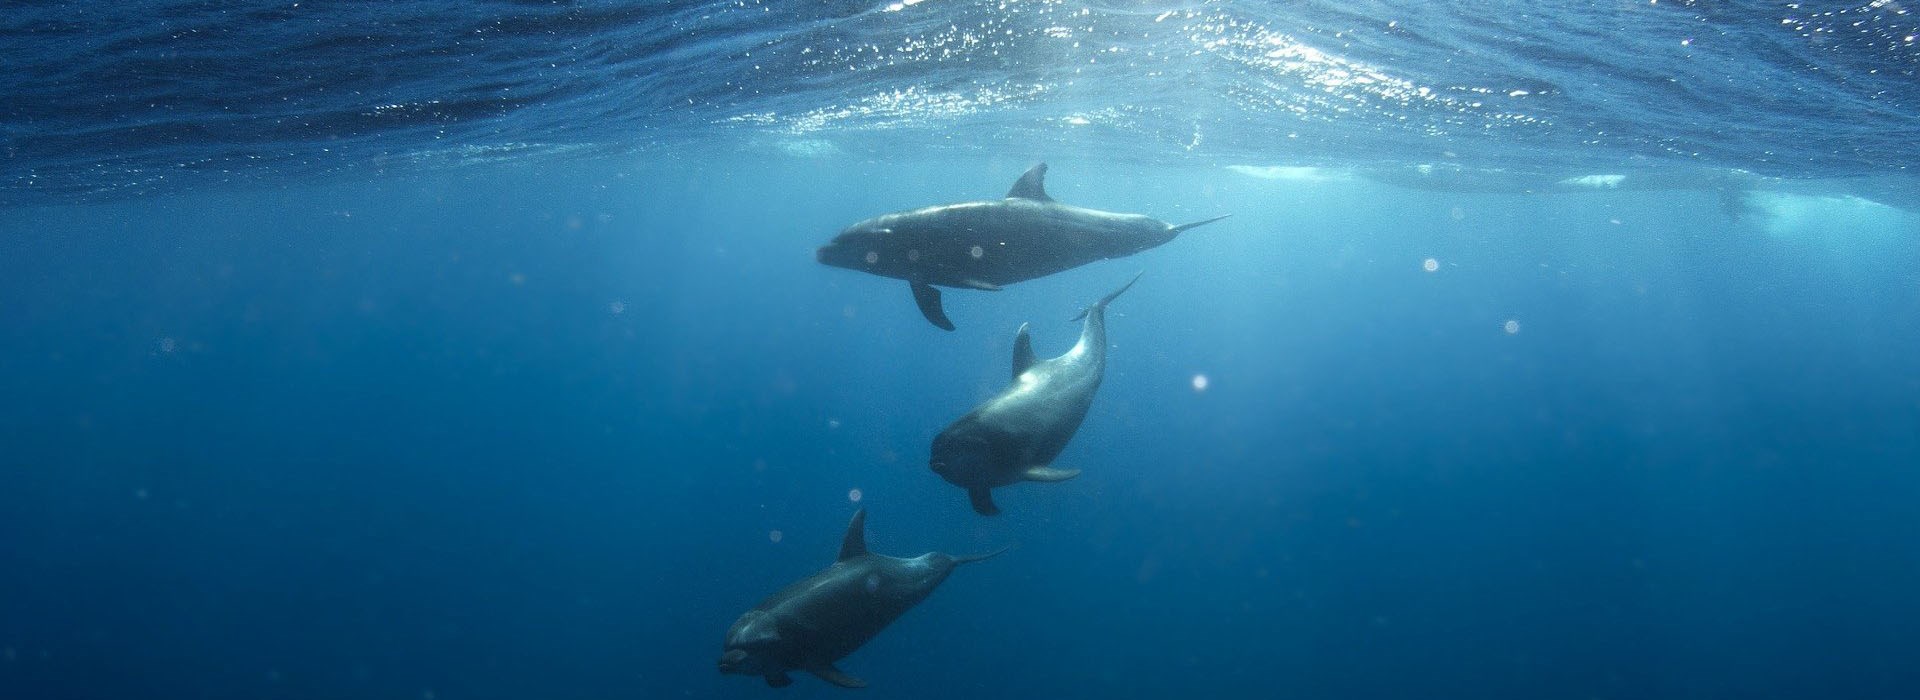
(431, 352)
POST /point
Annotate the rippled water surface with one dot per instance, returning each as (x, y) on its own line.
(144, 96)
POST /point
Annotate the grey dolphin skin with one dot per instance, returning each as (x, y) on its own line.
(1015, 435)
(820, 619)
(989, 244)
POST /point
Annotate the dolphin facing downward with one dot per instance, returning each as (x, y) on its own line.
(988, 244)
(1015, 435)
(820, 619)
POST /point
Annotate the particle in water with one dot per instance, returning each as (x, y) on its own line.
(833, 424)
(775, 536)
(517, 279)
(168, 345)
(873, 257)
(1430, 265)
(913, 255)
(854, 495)
(616, 307)
(1511, 326)
(977, 252)
(1199, 383)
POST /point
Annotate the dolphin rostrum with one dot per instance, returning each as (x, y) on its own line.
(1015, 435)
(989, 244)
(820, 619)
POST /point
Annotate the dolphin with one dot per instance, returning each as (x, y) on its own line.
(1015, 435)
(989, 244)
(820, 619)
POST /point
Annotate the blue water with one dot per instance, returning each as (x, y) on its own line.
(405, 351)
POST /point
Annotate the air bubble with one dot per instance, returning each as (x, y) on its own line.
(1430, 265)
(854, 495)
(977, 252)
(1511, 327)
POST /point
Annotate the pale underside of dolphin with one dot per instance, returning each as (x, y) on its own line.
(989, 244)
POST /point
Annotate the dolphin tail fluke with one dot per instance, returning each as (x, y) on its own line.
(928, 299)
(1108, 299)
(971, 558)
(1197, 224)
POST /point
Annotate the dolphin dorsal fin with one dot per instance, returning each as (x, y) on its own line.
(1022, 352)
(855, 543)
(1032, 185)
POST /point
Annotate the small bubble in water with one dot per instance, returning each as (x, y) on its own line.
(854, 495)
(833, 424)
(617, 307)
(775, 536)
(1511, 327)
(977, 252)
(873, 257)
(873, 582)
(1199, 383)
(1430, 265)
(168, 345)
(517, 279)
(1457, 213)
(913, 255)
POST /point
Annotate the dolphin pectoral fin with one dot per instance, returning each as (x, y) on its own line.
(928, 299)
(779, 680)
(1022, 352)
(1197, 224)
(1049, 474)
(837, 677)
(983, 501)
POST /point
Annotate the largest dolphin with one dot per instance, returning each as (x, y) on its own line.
(1015, 435)
(820, 619)
(988, 244)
